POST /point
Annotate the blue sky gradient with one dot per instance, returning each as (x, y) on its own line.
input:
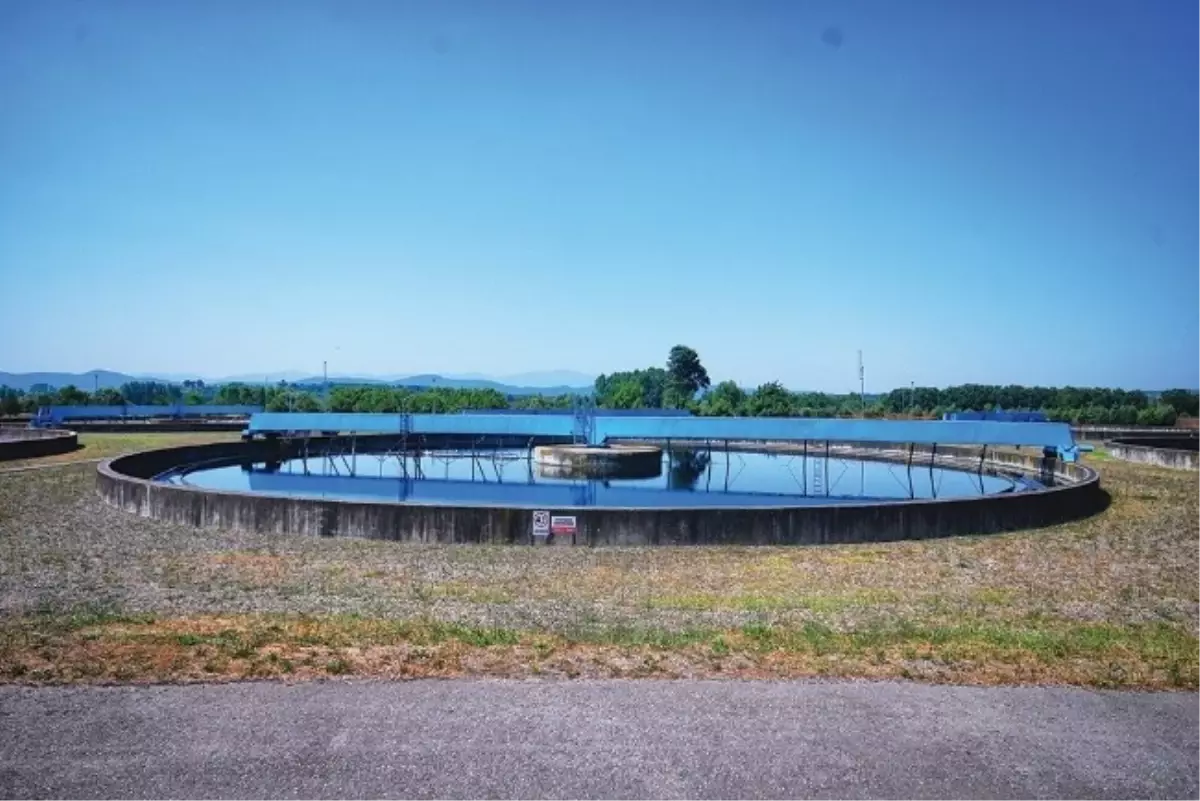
(968, 191)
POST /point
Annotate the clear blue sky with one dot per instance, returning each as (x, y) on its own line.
(968, 191)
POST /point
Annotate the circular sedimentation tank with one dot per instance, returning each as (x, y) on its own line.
(30, 443)
(444, 491)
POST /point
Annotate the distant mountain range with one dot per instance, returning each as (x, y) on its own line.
(554, 382)
(89, 381)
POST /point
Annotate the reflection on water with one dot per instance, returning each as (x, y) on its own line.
(687, 467)
(691, 478)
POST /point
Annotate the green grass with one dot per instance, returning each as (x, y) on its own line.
(337, 667)
(104, 445)
(83, 616)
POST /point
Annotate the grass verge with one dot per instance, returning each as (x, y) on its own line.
(84, 646)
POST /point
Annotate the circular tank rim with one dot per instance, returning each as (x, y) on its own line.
(1156, 451)
(1160, 443)
(1084, 477)
(31, 443)
(905, 519)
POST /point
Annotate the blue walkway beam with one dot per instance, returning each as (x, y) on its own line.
(796, 429)
(51, 415)
(481, 425)
(745, 429)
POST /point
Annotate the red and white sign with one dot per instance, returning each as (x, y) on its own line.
(562, 524)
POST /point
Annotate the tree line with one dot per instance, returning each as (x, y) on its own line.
(682, 383)
(1079, 405)
(282, 397)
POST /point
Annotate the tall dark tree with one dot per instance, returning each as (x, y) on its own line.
(70, 395)
(107, 397)
(10, 401)
(149, 392)
(685, 375)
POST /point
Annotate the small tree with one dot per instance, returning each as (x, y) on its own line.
(770, 400)
(726, 400)
(70, 395)
(307, 402)
(1183, 401)
(1160, 415)
(627, 395)
(108, 397)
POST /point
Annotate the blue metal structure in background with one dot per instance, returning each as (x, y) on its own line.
(998, 416)
(596, 429)
(596, 412)
(50, 416)
(466, 425)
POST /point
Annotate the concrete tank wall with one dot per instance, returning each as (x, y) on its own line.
(1099, 433)
(1177, 452)
(29, 443)
(124, 482)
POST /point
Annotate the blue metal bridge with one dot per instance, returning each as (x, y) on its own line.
(50, 416)
(597, 428)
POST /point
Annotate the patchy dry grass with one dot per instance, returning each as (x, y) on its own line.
(111, 647)
(1110, 601)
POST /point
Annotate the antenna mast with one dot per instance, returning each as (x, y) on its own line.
(862, 388)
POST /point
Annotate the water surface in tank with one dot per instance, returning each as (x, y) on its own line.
(689, 478)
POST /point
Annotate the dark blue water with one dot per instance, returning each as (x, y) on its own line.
(508, 478)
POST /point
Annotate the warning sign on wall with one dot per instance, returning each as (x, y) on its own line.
(541, 524)
(562, 524)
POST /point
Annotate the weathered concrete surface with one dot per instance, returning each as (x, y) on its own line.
(125, 483)
(29, 443)
(1177, 452)
(616, 461)
(603, 739)
(1095, 433)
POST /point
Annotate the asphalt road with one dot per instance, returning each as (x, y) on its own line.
(584, 739)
